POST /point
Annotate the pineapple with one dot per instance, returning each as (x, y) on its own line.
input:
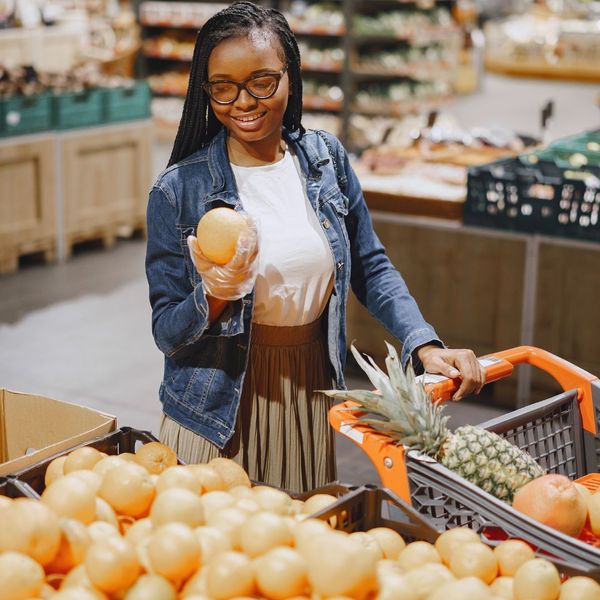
(404, 410)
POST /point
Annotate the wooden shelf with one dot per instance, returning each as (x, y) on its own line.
(541, 69)
(158, 56)
(399, 109)
(323, 30)
(414, 72)
(320, 103)
(410, 205)
(325, 67)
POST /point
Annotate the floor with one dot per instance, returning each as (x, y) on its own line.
(80, 331)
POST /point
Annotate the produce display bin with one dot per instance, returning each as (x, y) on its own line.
(560, 433)
(25, 114)
(125, 439)
(370, 506)
(128, 439)
(12, 488)
(127, 103)
(78, 109)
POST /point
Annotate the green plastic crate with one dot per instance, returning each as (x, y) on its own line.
(127, 103)
(25, 114)
(78, 109)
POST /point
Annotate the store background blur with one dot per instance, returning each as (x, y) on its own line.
(425, 95)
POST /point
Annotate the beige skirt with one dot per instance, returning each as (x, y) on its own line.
(282, 436)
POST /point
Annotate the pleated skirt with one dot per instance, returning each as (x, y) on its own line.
(282, 435)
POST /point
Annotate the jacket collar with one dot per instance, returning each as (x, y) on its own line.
(223, 182)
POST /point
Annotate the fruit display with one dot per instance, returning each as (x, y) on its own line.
(138, 526)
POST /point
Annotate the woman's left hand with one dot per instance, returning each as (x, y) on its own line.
(454, 363)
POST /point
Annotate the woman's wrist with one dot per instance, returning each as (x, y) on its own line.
(216, 306)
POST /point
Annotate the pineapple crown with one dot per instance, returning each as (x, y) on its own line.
(401, 408)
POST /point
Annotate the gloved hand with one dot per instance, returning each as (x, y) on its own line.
(235, 279)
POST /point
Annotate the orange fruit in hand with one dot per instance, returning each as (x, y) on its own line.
(218, 232)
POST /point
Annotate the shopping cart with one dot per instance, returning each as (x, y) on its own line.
(560, 433)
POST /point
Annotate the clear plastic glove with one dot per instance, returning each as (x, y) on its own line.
(235, 279)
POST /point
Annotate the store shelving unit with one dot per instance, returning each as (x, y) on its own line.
(380, 58)
(392, 57)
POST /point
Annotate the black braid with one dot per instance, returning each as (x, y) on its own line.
(198, 124)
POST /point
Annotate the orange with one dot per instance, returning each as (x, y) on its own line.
(218, 232)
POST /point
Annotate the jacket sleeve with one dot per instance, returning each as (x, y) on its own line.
(179, 306)
(374, 279)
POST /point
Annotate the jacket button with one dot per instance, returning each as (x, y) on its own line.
(326, 224)
(340, 264)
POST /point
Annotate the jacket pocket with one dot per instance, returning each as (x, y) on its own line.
(184, 232)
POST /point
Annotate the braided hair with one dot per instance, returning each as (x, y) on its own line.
(198, 124)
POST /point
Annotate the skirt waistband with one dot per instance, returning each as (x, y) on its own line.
(275, 335)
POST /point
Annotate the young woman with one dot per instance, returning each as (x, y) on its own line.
(247, 345)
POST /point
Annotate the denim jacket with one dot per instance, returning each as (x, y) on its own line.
(205, 364)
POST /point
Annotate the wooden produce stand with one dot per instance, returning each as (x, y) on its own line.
(61, 188)
(28, 192)
(106, 175)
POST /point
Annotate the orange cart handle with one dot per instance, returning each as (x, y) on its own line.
(500, 364)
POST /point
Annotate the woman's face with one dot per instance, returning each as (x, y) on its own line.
(249, 119)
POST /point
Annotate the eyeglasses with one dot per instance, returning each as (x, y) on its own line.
(260, 87)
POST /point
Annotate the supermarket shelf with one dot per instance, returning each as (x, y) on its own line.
(432, 70)
(171, 24)
(159, 56)
(322, 30)
(420, 38)
(399, 109)
(175, 93)
(541, 69)
(320, 103)
(324, 67)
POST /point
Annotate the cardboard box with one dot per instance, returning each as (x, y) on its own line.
(33, 428)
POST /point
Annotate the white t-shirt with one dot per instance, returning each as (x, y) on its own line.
(295, 265)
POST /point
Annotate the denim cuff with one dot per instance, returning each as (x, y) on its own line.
(413, 342)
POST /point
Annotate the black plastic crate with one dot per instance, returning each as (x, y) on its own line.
(370, 506)
(125, 439)
(535, 197)
(12, 488)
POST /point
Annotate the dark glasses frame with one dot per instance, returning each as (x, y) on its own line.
(243, 85)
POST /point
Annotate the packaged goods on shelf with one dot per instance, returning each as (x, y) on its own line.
(322, 18)
(171, 44)
(169, 83)
(64, 426)
(423, 24)
(178, 14)
(326, 121)
(321, 56)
